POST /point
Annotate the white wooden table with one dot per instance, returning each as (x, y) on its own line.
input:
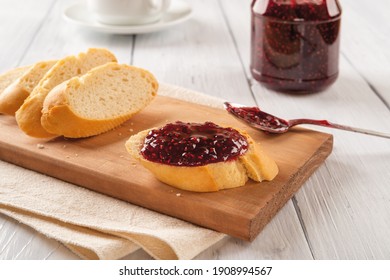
(341, 212)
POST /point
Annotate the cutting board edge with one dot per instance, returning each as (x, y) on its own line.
(28, 155)
(25, 158)
(250, 226)
(295, 182)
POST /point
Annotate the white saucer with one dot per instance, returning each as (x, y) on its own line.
(178, 12)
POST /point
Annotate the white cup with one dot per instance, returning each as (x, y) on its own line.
(128, 12)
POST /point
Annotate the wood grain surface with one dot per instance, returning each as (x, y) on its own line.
(101, 164)
(343, 209)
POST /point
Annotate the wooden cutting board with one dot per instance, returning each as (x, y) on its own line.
(102, 164)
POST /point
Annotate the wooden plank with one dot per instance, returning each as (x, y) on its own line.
(368, 49)
(19, 22)
(348, 197)
(334, 227)
(180, 42)
(350, 172)
(20, 242)
(238, 16)
(281, 239)
(328, 242)
(202, 55)
(276, 241)
(66, 39)
(101, 164)
(201, 50)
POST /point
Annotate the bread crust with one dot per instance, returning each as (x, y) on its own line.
(8, 83)
(29, 121)
(10, 76)
(12, 98)
(254, 164)
(15, 94)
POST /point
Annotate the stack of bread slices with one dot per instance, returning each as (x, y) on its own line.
(77, 96)
(89, 94)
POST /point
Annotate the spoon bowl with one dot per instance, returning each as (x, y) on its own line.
(257, 118)
(266, 122)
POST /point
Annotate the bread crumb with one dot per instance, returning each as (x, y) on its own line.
(120, 134)
(40, 146)
(131, 130)
(178, 194)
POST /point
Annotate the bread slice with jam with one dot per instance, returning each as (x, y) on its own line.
(201, 157)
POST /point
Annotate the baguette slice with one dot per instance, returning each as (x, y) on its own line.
(10, 76)
(14, 95)
(100, 100)
(254, 164)
(29, 114)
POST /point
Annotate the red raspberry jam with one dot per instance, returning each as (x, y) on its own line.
(193, 144)
(295, 44)
(256, 116)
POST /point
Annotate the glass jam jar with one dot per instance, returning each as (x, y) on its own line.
(295, 44)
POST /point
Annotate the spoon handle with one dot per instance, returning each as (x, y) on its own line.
(338, 126)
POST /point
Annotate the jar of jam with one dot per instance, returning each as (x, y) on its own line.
(295, 44)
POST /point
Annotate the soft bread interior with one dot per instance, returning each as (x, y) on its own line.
(110, 91)
(99, 101)
(31, 79)
(11, 76)
(73, 66)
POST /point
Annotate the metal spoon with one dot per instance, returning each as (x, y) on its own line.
(269, 123)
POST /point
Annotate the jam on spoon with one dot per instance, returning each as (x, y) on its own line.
(272, 124)
(193, 144)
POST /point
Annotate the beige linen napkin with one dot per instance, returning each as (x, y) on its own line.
(95, 226)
